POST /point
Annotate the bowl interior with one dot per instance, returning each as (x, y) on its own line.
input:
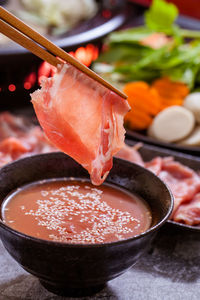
(123, 174)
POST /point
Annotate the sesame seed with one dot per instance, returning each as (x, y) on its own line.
(78, 212)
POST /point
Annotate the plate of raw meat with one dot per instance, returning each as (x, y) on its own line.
(179, 171)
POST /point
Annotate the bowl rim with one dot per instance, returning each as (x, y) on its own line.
(89, 245)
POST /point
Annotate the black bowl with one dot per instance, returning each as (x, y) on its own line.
(79, 269)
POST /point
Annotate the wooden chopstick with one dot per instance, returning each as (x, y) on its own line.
(16, 36)
(24, 35)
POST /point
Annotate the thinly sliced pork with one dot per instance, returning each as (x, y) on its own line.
(189, 213)
(19, 138)
(131, 154)
(183, 181)
(82, 118)
(155, 165)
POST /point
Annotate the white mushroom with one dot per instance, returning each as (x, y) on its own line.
(172, 124)
(193, 139)
(150, 131)
(192, 102)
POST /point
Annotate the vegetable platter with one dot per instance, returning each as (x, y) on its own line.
(158, 66)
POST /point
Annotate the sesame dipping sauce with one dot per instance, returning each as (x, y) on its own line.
(75, 211)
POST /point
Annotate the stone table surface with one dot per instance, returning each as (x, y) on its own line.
(170, 270)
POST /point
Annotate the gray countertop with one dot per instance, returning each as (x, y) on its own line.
(169, 271)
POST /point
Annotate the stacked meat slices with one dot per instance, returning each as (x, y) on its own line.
(19, 138)
(183, 182)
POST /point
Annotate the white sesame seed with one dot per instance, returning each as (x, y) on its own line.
(80, 217)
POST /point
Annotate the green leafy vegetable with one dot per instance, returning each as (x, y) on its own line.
(130, 36)
(161, 16)
(132, 59)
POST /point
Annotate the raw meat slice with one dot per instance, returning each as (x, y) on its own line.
(14, 146)
(131, 154)
(12, 126)
(19, 138)
(189, 213)
(5, 159)
(155, 165)
(177, 169)
(82, 118)
(36, 142)
(183, 181)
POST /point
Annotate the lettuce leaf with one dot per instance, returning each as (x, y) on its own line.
(161, 16)
(131, 36)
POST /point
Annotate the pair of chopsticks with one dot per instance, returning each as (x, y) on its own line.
(30, 39)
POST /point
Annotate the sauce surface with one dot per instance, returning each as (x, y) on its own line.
(75, 211)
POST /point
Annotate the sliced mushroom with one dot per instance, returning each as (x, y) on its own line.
(173, 124)
(150, 131)
(192, 102)
(193, 139)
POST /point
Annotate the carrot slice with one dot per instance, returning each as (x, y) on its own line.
(145, 103)
(137, 120)
(169, 89)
